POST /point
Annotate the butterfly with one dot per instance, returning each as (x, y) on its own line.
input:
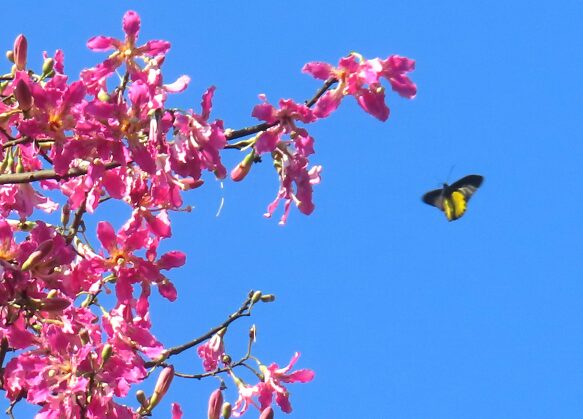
(453, 199)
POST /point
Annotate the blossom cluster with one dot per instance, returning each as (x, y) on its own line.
(108, 137)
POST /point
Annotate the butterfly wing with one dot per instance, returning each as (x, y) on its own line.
(467, 185)
(434, 198)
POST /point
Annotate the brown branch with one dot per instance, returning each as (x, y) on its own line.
(243, 311)
(28, 177)
(77, 221)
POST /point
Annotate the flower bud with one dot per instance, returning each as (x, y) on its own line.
(48, 65)
(35, 257)
(226, 410)
(267, 413)
(215, 404)
(253, 333)
(54, 304)
(141, 398)
(65, 214)
(10, 55)
(243, 168)
(268, 298)
(226, 359)
(255, 297)
(162, 386)
(84, 336)
(20, 51)
(23, 95)
(106, 353)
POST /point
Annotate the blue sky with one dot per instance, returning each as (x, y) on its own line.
(400, 313)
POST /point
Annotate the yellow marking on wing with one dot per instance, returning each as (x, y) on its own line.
(458, 200)
(448, 207)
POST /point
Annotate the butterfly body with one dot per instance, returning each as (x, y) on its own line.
(453, 199)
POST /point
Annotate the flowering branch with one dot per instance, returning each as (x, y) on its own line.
(243, 311)
(45, 174)
(90, 142)
(243, 132)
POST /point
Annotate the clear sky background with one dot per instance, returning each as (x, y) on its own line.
(400, 313)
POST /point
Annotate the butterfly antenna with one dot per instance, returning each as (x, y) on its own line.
(450, 172)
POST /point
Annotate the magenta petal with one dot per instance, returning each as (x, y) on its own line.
(266, 142)
(282, 401)
(374, 104)
(301, 376)
(172, 259)
(102, 43)
(168, 291)
(207, 102)
(265, 112)
(319, 70)
(157, 47)
(106, 235)
(327, 104)
(403, 86)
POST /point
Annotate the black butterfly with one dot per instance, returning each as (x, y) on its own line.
(453, 199)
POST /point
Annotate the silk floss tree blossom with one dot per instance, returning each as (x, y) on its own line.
(64, 345)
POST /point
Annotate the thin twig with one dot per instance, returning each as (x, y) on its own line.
(243, 311)
(78, 220)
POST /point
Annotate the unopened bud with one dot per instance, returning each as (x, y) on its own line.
(103, 95)
(226, 359)
(35, 257)
(162, 386)
(268, 298)
(20, 51)
(10, 55)
(65, 214)
(54, 304)
(226, 410)
(52, 293)
(267, 413)
(189, 183)
(255, 297)
(84, 336)
(106, 353)
(215, 404)
(23, 95)
(253, 333)
(141, 398)
(243, 168)
(48, 65)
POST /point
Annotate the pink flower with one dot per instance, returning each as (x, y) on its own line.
(296, 182)
(245, 399)
(198, 143)
(361, 78)
(124, 52)
(284, 118)
(211, 351)
(272, 383)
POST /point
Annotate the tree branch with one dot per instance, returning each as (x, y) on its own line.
(28, 177)
(243, 311)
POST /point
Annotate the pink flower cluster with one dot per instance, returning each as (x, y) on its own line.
(261, 395)
(70, 348)
(355, 77)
